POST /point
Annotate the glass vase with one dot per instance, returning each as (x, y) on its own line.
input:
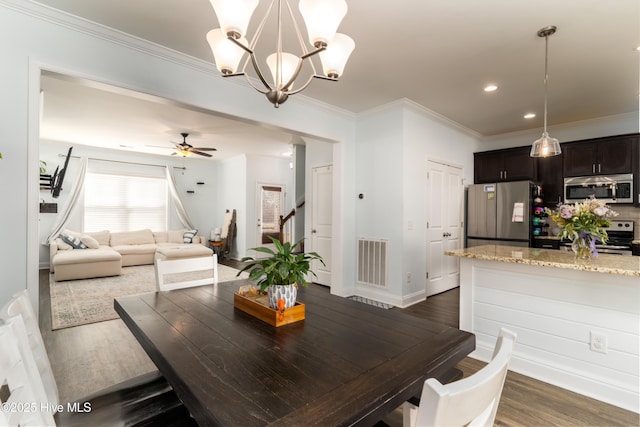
(583, 248)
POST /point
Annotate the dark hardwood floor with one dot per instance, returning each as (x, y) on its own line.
(88, 358)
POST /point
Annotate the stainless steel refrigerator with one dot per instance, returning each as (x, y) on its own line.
(499, 214)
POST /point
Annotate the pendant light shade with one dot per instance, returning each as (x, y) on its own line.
(234, 15)
(322, 18)
(335, 57)
(283, 71)
(226, 53)
(546, 146)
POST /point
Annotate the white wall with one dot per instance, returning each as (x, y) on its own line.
(70, 46)
(393, 146)
(232, 180)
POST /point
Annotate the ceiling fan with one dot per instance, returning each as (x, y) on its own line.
(185, 149)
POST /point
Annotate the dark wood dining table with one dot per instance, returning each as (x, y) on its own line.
(346, 363)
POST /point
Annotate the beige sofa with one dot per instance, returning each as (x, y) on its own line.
(106, 253)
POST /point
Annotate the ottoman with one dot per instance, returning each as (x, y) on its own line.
(182, 251)
(86, 263)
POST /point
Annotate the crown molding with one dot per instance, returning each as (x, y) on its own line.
(406, 103)
(82, 25)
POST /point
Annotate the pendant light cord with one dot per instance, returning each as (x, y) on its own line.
(546, 78)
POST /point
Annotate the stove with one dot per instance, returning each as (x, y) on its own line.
(620, 234)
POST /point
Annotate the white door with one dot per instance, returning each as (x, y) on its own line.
(445, 195)
(321, 228)
(269, 206)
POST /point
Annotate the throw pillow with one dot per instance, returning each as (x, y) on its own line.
(62, 246)
(188, 236)
(89, 241)
(73, 241)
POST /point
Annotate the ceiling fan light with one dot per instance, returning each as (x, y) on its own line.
(322, 18)
(226, 54)
(334, 58)
(287, 68)
(234, 15)
(546, 146)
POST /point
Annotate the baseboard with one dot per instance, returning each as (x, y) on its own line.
(562, 377)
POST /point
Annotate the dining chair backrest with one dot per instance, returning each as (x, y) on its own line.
(186, 272)
(470, 401)
(23, 393)
(21, 305)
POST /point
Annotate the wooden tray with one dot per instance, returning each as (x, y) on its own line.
(257, 306)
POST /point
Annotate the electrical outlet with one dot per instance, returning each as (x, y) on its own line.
(598, 342)
(408, 277)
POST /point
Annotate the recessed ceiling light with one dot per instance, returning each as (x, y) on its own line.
(529, 115)
(490, 88)
(637, 49)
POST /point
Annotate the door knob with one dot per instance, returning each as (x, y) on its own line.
(313, 231)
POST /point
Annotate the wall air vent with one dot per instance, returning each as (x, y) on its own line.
(372, 262)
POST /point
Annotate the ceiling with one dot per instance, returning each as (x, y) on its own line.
(437, 53)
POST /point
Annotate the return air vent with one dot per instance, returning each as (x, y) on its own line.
(372, 262)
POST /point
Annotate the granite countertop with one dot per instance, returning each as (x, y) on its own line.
(604, 263)
(635, 242)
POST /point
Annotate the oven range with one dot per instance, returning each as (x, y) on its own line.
(620, 234)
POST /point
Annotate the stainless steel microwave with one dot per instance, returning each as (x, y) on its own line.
(608, 188)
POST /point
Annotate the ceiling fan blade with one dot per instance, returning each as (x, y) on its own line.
(200, 153)
(205, 149)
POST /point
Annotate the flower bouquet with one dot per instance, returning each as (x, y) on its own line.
(584, 224)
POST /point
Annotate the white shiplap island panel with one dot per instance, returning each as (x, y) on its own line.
(555, 304)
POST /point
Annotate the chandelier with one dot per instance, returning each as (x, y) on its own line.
(546, 146)
(321, 17)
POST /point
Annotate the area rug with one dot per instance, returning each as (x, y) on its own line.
(80, 302)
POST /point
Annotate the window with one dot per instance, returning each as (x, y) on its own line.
(123, 202)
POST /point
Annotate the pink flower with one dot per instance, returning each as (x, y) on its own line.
(566, 212)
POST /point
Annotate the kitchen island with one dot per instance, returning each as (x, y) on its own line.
(578, 322)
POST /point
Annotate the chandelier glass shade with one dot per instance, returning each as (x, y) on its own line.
(322, 19)
(546, 146)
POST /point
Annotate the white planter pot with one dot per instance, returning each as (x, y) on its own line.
(288, 293)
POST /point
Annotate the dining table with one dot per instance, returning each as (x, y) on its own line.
(347, 363)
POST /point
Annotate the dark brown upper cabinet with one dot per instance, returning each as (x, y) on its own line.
(512, 164)
(551, 179)
(604, 156)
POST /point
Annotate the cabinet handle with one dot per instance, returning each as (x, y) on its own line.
(599, 167)
(593, 168)
(505, 174)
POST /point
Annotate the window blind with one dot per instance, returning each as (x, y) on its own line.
(124, 202)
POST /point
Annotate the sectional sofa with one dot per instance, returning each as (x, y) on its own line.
(76, 255)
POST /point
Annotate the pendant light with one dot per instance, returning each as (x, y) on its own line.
(546, 146)
(322, 19)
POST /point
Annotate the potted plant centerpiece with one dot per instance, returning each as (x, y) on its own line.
(281, 272)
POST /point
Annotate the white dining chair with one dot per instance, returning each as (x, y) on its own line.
(23, 392)
(21, 305)
(186, 272)
(144, 400)
(470, 401)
